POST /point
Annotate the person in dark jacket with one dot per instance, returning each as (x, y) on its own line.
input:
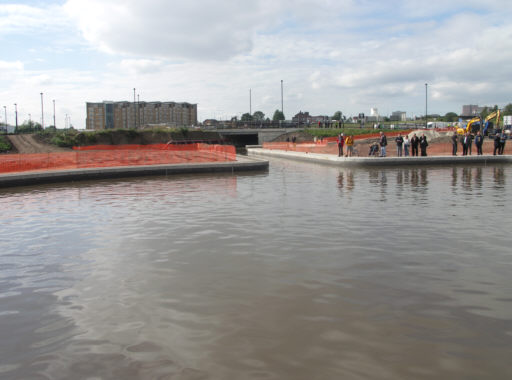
(479, 141)
(496, 144)
(414, 145)
(503, 140)
(466, 141)
(423, 144)
(383, 142)
(399, 142)
(455, 141)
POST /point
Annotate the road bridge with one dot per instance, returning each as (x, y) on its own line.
(253, 136)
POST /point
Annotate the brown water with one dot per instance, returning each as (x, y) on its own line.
(304, 272)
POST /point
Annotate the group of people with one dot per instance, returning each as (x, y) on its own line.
(403, 144)
(416, 144)
(349, 142)
(467, 142)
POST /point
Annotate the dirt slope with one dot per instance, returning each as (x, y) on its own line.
(27, 144)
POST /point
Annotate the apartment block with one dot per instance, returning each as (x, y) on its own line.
(133, 115)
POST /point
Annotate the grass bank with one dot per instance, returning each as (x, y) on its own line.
(320, 132)
(72, 137)
(5, 144)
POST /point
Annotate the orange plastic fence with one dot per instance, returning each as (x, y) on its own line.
(108, 156)
(370, 135)
(320, 145)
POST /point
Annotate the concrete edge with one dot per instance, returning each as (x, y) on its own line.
(54, 176)
(330, 159)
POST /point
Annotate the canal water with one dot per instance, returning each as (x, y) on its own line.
(302, 272)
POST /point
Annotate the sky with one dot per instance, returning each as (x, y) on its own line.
(346, 55)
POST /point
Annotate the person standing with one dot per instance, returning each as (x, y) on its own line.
(455, 141)
(503, 140)
(479, 141)
(383, 142)
(349, 141)
(407, 143)
(399, 142)
(470, 143)
(465, 144)
(341, 142)
(423, 144)
(414, 144)
(497, 144)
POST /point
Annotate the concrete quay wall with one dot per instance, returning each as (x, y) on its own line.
(378, 161)
(53, 176)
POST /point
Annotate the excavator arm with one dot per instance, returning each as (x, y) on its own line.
(493, 115)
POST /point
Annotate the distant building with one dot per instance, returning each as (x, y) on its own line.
(398, 116)
(306, 118)
(471, 110)
(130, 115)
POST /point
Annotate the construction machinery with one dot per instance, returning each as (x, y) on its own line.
(489, 128)
(472, 126)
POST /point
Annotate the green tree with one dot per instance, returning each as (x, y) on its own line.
(278, 115)
(28, 127)
(507, 110)
(485, 112)
(450, 117)
(337, 115)
(258, 115)
(246, 117)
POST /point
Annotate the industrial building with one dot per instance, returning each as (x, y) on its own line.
(134, 115)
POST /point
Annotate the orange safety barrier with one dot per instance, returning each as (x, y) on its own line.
(109, 156)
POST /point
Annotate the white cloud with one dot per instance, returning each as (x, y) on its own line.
(348, 55)
(207, 29)
(7, 66)
(139, 66)
(21, 18)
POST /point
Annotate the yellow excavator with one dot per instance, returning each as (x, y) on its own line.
(472, 126)
(488, 122)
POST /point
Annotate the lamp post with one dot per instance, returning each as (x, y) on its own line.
(282, 108)
(426, 109)
(5, 109)
(42, 112)
(134, 110)
(54, 123)
(16, 114)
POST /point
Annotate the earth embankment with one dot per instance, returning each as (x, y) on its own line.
(26, 143)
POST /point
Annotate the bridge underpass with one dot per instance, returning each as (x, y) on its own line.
(243, 137)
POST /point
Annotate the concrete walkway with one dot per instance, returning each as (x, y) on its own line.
(331, 159)
(242, 164)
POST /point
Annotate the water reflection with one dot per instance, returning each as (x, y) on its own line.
(282, 278)
(346, 180)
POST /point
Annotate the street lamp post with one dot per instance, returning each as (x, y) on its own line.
(54, 123)
(282, 108)
(426, 109)
(16, 114)
(42, 112)
(5, 109)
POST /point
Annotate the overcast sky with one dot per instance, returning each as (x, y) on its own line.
(345, 55)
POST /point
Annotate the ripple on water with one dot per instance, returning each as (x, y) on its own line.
(305, 272)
